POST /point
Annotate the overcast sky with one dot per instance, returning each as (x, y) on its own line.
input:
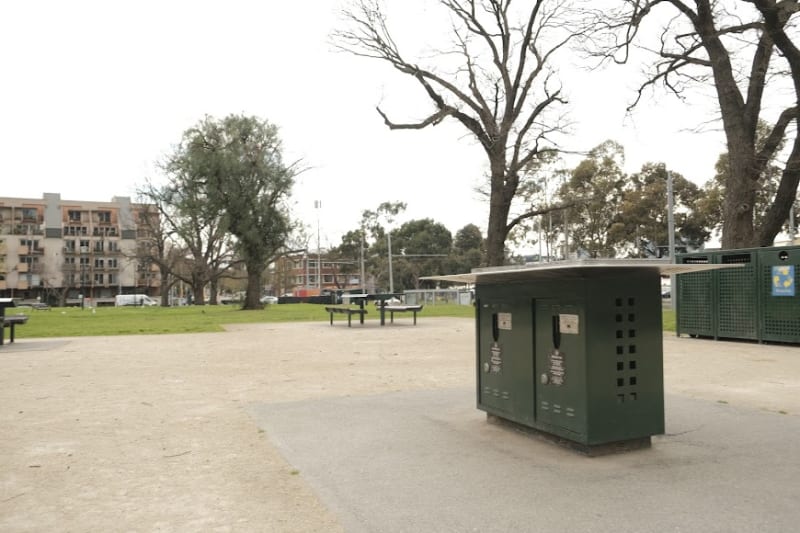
(95, 93)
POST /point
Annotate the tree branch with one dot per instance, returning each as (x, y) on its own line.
(543, 211)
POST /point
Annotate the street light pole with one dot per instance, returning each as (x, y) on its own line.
(670, 217)
(391, 277)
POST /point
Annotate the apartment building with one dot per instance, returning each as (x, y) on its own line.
(57, 250)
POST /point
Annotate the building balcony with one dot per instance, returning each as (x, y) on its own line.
(22, 268)
(24, 250)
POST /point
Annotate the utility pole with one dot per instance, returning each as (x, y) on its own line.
(362, 279)
(318, 206)
(671, 230)
(670, 217)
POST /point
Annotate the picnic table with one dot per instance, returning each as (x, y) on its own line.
(381, 300)
(10, 321)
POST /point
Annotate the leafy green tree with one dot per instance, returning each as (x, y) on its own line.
(419, 248)
(467, 252)
(237, 163)
(595, 187)
(643, 218)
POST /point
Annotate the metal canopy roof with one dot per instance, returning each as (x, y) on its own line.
(574, 269)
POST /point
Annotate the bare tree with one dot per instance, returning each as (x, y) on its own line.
(502, 87)
(155, 240)
(730, 46)
(187, 239)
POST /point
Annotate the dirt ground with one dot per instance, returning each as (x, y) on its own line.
(151, 433)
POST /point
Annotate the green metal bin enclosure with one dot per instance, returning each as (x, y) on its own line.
(696, 296)
(780, 301)
(756, 301)
(573, 349)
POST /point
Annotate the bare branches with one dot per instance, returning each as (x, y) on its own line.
(431, 120)
(537, 212)
(775, 138)
(502, 91)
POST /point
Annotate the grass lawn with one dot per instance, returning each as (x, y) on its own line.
(74, 322)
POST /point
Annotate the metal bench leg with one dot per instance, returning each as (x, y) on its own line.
(349, 316)
(11, 336)
(415, 318)
(331, 318)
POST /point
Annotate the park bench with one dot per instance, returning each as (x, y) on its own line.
(397, 308)
(347, 310)
(10, 322)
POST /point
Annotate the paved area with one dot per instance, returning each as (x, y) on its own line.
(308, 427)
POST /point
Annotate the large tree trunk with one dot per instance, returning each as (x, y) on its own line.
(166, 285)
(740, 196)
(502, 192)
(252, 298)
(197, 295)
(214, 290)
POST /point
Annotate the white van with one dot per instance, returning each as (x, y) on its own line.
(133, 299)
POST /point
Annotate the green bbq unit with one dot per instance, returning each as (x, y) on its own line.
(573, 349)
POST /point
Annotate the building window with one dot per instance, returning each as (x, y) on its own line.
(84, 262)
(74, 216)
(104, 217)
(327, 278)
(98, 263)
(84, 247)
(98, 246)
(98, 278)
(29, 213)
(69, 246)
(111, 279)
(112, 263)
(69, 261)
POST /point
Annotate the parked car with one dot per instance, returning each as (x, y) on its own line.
(269, 299)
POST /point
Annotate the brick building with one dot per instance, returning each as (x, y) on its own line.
(309, 275)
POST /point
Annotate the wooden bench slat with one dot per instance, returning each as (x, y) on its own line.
(349, 311)
(402, 309)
